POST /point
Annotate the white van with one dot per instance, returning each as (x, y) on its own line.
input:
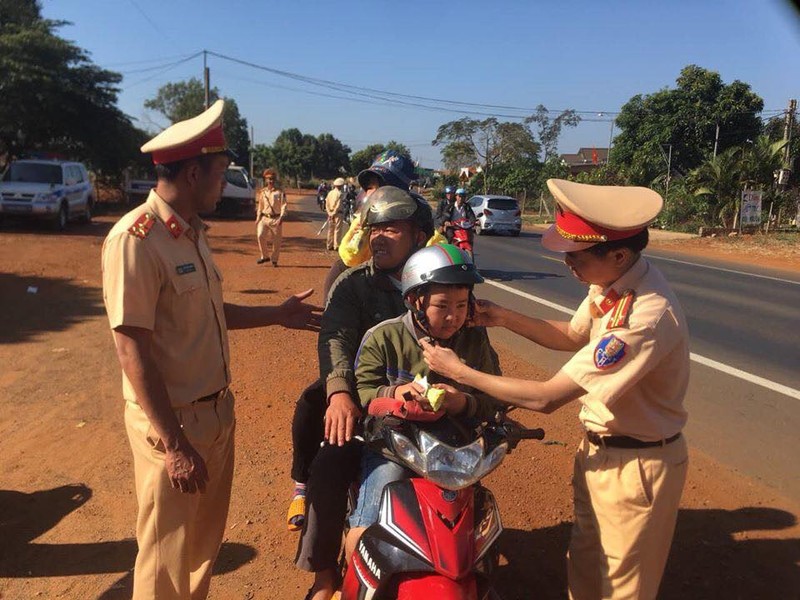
(238, 195)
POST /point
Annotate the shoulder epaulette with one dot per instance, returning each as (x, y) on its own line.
(619, 315)
(141, 228)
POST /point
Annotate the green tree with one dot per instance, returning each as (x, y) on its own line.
(550, 129)
(330, 157)
(492, 144)
(774, 129)
(717, 186)
(262, 158)
(686, 118)
(293, 153)
(53, 98)
(363, 158)
(186, 99)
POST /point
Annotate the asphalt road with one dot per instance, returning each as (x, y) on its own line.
(741, 320)
(744, 391)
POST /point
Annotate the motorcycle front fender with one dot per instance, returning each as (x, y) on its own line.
(433, 585)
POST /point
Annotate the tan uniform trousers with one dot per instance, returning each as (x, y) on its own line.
(626, 505)
(179, 535)
(269, 228)
(334, 231)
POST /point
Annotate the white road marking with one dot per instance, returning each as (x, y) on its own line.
(708, 362)
(684, 262)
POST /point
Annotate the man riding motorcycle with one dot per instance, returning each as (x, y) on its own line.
(459, 214)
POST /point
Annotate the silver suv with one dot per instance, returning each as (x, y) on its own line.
(56, 190)
(496, 213)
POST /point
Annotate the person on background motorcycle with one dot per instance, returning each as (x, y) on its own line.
(630, 372)
(445, 206)
(322, 193)
(399, 225)
(437, 290)
(458, 212)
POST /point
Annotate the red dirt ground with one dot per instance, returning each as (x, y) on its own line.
(67, 507)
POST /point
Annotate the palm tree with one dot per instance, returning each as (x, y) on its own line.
(717, 183)
(760, 161)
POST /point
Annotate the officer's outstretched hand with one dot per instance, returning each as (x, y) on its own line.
(487, 314)
(186, 469)
(296, 314)
(340, 419)
(442, 360)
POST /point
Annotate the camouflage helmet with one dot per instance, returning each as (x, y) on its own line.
(441, 263)
(389, 203)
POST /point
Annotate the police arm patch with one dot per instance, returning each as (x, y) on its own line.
(609, 351)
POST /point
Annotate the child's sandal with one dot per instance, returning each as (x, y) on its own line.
(297, 513)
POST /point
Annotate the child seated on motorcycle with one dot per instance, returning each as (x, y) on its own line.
(437, 284)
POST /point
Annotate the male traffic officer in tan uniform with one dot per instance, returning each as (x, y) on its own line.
(629, 372)
(270, 213)
(163, 295)
(333, 203)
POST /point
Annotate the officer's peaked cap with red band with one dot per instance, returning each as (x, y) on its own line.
(591, 214)
(193, 137)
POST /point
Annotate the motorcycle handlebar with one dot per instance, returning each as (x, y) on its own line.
(531, 434)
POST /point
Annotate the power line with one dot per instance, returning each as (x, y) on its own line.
(381, 94)
(166, 68)
(377, 97)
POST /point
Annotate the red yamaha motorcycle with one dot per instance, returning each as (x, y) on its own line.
(436, 532)
(462, 235)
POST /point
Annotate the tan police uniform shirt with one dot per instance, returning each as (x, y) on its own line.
(332, 202)
(272, 204)
(158, 274)
(635, 374)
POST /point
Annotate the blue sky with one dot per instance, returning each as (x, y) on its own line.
(588, 56)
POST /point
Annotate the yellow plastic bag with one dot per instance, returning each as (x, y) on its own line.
(436, 238)
(354, 248)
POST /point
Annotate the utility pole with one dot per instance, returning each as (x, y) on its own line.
(788, 125)
(716, 141)
(206, 78)
(787, 131)
(252, 148)
(669, 170)
(610, 139)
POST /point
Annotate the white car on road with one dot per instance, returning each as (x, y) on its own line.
(496, 214)
(55, 190)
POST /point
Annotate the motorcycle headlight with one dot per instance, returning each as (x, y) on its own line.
(455, 468)
(407, 451)
(494, 458)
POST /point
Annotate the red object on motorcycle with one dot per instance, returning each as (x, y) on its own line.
(433, 585)
(403, 409)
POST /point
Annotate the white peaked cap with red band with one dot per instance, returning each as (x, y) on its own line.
(591, 214)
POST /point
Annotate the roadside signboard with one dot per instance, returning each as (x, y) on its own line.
(751, 207)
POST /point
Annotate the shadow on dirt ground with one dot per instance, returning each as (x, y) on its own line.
(34, 305)
(26, 516)
(715, 554)
(498, 275)
(97, 229)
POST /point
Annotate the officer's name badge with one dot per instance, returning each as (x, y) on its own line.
(608, 352)
(185, 269)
